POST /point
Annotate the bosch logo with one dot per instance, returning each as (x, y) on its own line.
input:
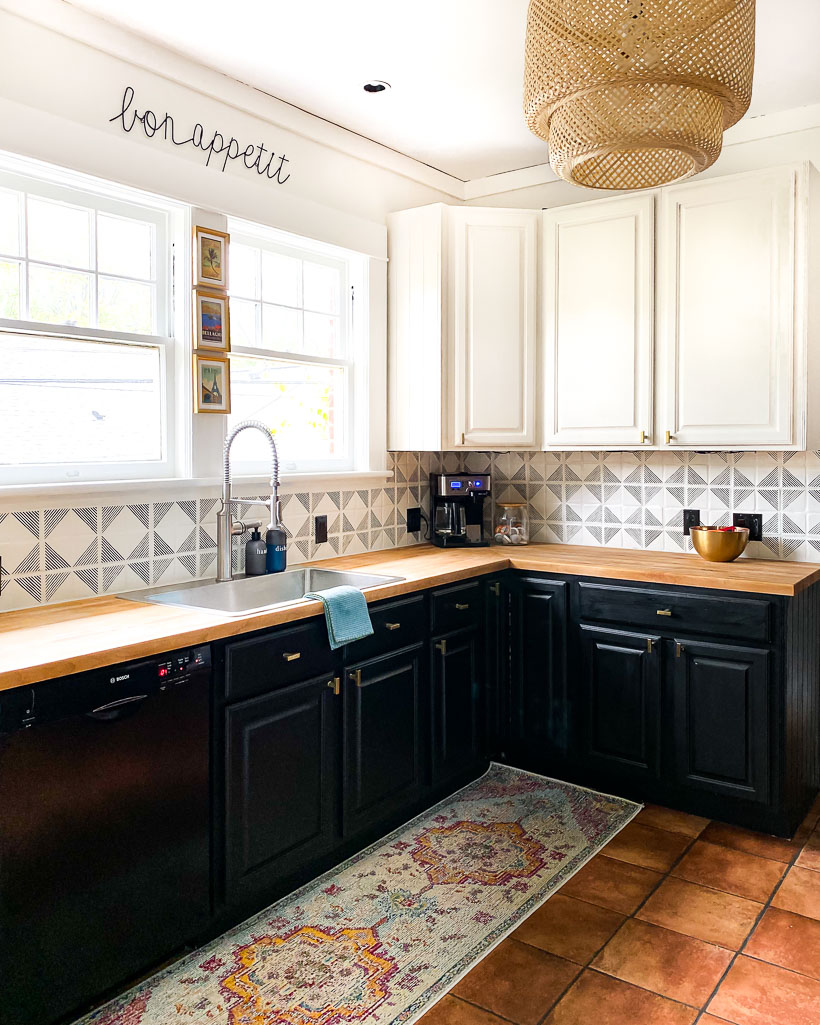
(119, 679)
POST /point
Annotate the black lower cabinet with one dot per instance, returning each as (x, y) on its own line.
(384, 752)
(721, 719)
(496, 711)
(619, 716)
(457, 699)
(281, 783)
(539, 724)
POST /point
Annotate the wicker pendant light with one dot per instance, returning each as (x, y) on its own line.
(632, 94)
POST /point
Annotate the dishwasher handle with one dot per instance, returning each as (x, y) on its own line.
(117, 709)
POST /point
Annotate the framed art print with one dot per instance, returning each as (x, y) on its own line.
(210, 258)
(212, 320)
(212, 384)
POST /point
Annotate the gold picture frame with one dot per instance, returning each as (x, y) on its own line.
(212, 320)
(212, 384)
(211, 258)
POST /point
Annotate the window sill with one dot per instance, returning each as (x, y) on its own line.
(290, 482)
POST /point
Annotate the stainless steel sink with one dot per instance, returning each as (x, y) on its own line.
(245, 595)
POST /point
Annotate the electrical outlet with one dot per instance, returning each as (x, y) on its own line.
(414, 520)
(691, 518)
(320, 529)
(754, 521)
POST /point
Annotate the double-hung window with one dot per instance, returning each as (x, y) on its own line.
(86, 354)
(297, 360)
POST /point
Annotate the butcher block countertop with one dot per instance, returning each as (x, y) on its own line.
(57, 640)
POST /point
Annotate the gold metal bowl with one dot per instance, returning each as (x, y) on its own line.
(719, 545)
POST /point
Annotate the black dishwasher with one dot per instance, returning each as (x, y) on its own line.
(104, 830)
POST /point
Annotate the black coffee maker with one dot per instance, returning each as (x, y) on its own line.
(458, 509)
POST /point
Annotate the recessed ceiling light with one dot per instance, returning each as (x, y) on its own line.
(376, 86)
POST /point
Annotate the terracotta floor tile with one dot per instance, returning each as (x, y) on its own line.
(612, 884)
(674, 821)
(450, 1011)
(763, 846)
(710, 1019)
(517, 981)
(701, 912)
(800, 893)
(606, 1001)
(676, 966)
(810, 855)
(756, 993)
(647, 847)
(569, 928)
(788, 940)
(733, 871)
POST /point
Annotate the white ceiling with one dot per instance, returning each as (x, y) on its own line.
(455, 66)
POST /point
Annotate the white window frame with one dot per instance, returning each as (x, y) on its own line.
(355, 318)
(171, 223)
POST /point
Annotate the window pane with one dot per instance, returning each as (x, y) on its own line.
(281, 328)
(59, 296)
(243, 323)
(304, 405)
(124, 246)
(322, 335)
(9, 289)
(9, 223)
(58, 233)
(244, 271)
(66, 401)
(281, 278)
(323, 286)
(125, 305)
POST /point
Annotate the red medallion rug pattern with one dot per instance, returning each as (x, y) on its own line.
(381, 937)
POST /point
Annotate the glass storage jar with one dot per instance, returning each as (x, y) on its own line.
(512, 524)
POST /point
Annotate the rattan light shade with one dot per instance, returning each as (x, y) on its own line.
(632, 94)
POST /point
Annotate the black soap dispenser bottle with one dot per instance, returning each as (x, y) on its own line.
(255, 555)
(277, 542)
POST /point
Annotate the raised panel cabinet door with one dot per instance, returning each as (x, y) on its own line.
(597, 316)
(492, 314)
(281, 781)
(456, 707)
(539, 722)
(621, 687)
(383, 737)
(721, 727)
(726, 358)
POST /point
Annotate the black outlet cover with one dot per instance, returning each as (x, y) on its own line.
(320, 528)
(754, 521)
(414, 520)
(691, 518)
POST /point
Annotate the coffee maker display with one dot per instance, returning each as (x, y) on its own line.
(458, 509)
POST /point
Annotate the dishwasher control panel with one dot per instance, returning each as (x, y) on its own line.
(182, 665)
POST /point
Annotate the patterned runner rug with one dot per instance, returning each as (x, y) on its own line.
(385, 934)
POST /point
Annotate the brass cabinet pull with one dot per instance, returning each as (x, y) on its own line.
(335, 685)
(442, 647)
(678, 649)
(355, 676)
(463, 442)
(650, 644)
(670, 437)
(393, 626)
(291, 656)
(462, 605)
(663, 612)
(645, 438)
(496, 589)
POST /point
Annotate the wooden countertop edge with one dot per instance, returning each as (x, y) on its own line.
(164, 629)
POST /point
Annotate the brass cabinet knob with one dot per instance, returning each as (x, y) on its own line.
(663, 612)
(393, 626)
(291, 656)
(335, 685)
(355, 675)
(461, 605)
(645, 438)
(442, 647)
(670, 437)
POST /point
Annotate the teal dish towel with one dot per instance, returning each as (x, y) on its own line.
(346, 614)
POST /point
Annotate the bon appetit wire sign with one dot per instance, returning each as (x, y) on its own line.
(255, 156)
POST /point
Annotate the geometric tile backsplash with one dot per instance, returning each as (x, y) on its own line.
(59, 552)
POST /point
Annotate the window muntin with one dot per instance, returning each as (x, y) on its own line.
(86, 348)
(292, 360)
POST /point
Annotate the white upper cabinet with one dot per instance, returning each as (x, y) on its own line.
(462, 301)
(597, 317)
(731, 360)
(492, 302)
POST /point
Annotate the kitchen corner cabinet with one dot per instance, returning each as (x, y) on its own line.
(462, 328)
(597, 316)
